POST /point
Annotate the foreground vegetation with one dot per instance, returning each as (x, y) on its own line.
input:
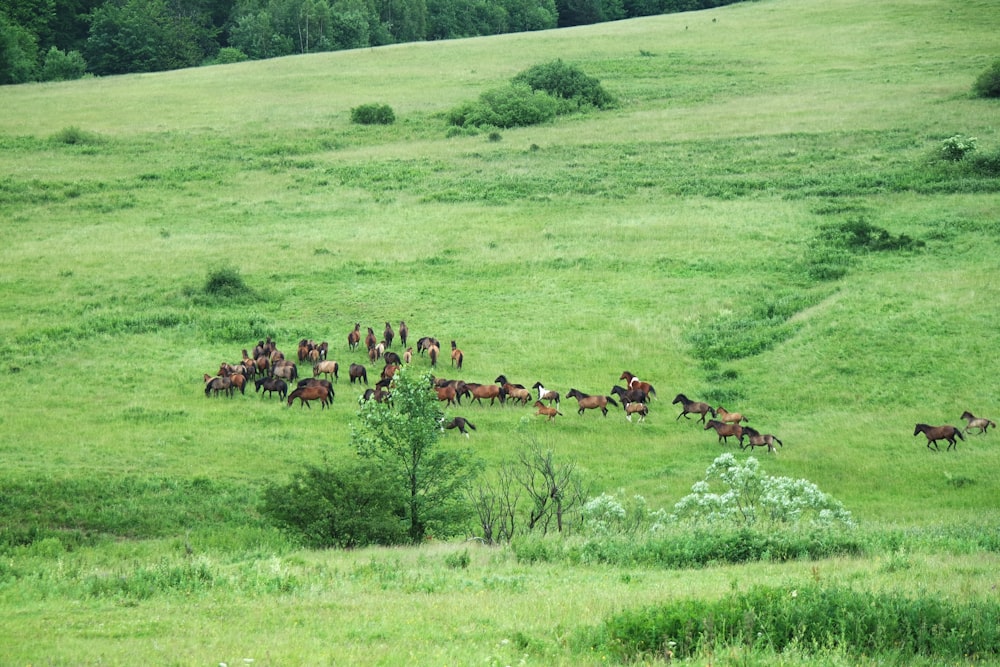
(764, 220)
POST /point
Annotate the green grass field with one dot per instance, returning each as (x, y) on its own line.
(684, 235)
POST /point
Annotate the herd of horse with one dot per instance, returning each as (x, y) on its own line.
(270, 372)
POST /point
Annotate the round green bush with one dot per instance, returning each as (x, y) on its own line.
(373, 114)
(988, 83)
(566, 82)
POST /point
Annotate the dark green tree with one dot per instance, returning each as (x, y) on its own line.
(141, 36)
(402, 435)
(62, 66)
(18, 53)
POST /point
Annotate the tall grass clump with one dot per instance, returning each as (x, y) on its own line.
(813, 617)
(73, 136)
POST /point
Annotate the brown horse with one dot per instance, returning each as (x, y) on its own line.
(217, 384)
(239, 381)
(546, 395)
(370, 339)
(408, 355)
(308, 394)
(358, 372)
(635, 383)
(935, 433)
(724, 430)
(977, 422)
(731, 417)
(460, 423)
(546, 411)
(354, 338)
(456, 356)
(271, 385)
(640, 409)
(433, 351)
(449, 394)
(756, 439)
(516, 393)
(388, 335)
(632, 395)
(692, 407)
(327, 368)
(404, 333)
(490, 391)
(286, 370)
(588, 402)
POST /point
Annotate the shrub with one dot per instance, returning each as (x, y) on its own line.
(73, 135)
(230, 54)
(62, 66)
(985, 164)
(988, 83)
(858, 235)
(515, 105)
(353, 505)
(373, 114)
(226, 282)
(566, 82)
(955, 148)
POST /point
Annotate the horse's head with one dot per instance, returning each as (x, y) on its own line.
(967, 415)
(919, 428)
(680, 398)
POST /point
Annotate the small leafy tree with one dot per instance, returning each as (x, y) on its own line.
(955, 148)
(988, 83)
(402, 435)
(62, 66)
(751, 498)
(566, 82)
(515, 105)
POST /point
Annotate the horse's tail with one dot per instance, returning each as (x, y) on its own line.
(712, 410)
(778, 441)
(611, 401)
(470, 424)
(652, 390)
(958, 432)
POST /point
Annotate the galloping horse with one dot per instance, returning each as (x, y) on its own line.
(935, 433)
(460, 423)
(696, 407)
(635, 383)
(588, 402)
(640, 409)
(631, 395)
(490, 391)
(756, 439)
(724, 430)
(977, 422)
(327, 368)
(733, 417)
(546, 395)
(547, 411)
(358, 372)
(449, 394)
(310, 393)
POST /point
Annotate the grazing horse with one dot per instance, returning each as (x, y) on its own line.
(635, 383)
(696, 407)
(327, 368)
(388, 335)
(271, 385)
(285, 369)
(424, 344)
(217, 384)
(310, 393)
(547, 411)
(456, 356)
(756, 439)
(392, 359)
(588, 402)
(935, 433)
(724, 430)
(490, 391)
(404, 333)
(546, 395)
(317, 382)
(730, 417)
(354, 337)
(634, 395)
(977, 422)
(636, 408)
(358, 372)
(460, 423)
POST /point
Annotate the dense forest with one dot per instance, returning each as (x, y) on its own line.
(50, 40)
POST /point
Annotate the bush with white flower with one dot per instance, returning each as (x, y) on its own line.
(749, 497)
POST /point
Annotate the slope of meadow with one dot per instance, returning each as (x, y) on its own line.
(688, 235)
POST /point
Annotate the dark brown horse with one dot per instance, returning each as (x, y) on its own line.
(388, 335)
(358, 372)
(354, 338)
(977, 422)
(404, 333)
(370, 340)
(724, 430)
(308, 394)
(692, 407)
(935, 433)
(633, 395)
(460, 423)
(635, 383)
(318, 382)
(756, 439)
(271, 385)
(588, 402)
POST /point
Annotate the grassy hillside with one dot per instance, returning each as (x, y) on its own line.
(698, 235)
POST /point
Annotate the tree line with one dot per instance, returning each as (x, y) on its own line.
(50, 40)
